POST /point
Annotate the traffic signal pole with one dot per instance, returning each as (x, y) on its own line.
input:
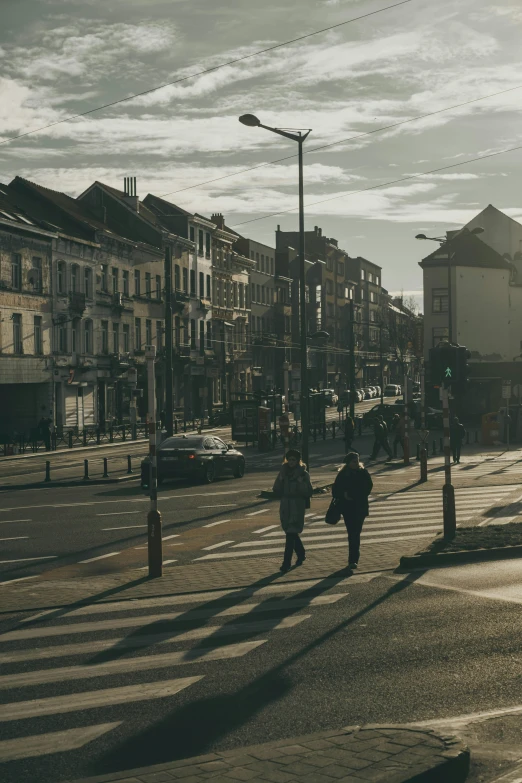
(154, 542)
(448, 491)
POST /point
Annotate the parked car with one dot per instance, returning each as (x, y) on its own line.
(391, 390)
(330, 396)
(378, 390)
(369, 393)
(203, 457)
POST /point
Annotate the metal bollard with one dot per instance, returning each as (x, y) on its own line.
(47, 471)
(418, 451)
(129, 463)
(111, 434)
(105, 468)
(134, 432)
(424, 464)
(70, 439)
(85, 469)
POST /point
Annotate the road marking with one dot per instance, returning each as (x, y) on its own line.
(215, 546)
(14, 538)
(222, 505)
(28, 559)
(275, 605)
(310, 514)
(126, 665)
(124, 527)
(21, 579)
(75, 702)
(219, 522)
(53, 742)
(264, 529)
(333, 535)
(254, 513)
(132, 642)
(460, 721)
(117, 513)
(166, 562)
(100, 557)
(174, 535)
(11, 521)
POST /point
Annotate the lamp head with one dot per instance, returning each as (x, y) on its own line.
(420, 236)
(250, 120)
(477, 230)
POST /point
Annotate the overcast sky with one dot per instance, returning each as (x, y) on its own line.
(61, 57)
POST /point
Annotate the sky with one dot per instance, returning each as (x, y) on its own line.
(62, 57)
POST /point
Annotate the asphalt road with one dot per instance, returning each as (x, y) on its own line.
(251, 667)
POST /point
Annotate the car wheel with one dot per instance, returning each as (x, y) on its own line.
(209, 473)
(239, 470)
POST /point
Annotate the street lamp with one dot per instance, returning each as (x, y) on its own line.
(253, 122)
(446, 241)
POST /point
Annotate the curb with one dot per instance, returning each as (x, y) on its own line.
(71, 483)
(321, 489)
(450, 761)
(454, 558)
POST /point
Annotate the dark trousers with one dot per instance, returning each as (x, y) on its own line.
(455, 447)
(397, 441)
(377, 447)
(293, 542)
(354, 525)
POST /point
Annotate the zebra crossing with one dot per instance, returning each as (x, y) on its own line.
(83, 662)
(394, 518)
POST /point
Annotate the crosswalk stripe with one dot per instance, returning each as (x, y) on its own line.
(126, 665)
(330, 535)
(100, 557)
(409, 517)
(219, 544)
(197, 614)
(28, 559)
(255, 513)
(106, 697)
(264, 529)
(133, 642)
(52, 742)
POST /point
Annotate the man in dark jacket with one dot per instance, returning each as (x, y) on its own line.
(351, 489)
(457, 435)
(349, 432)
(380, 431)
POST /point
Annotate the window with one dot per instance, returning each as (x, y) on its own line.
(201, 335)
(271, 266)
(60, 277)
(105, 336)
(75, 336)
(191, 233)
(329, 287)
(372, 316)
(376, 280)
(159, 334)
(125, 282)
(241, 295)
(340, 268)
(329, 264)
(208, 287)
(137, 334)
(262, 262)
(207, 245)
(115, 338)
(62, 338)
(192, 282)
(37, 273)
(258, 299)
(137, 282)
(439, 300)
(330, 310)
(104, 281)
(87, 337)
(74, 282)
(17, 333)
(185, 280)
(440, 334)
(148, 332)
(177, 331)
(193, 333)
(372, 297)
(38, 341)
(177, 279)
(87, 282)
(209, 335)
(115, 280)
(16, 271)
(340, 291)
(235, 299)
(126, 338)
(363, 276)
(201, 285)
(148, 287)
(200, 242)
(370, 277)
(363, 297)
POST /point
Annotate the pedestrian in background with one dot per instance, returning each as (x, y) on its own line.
(457, 435)
(349, 432)
(380, 431)
(398, 427)
(351, 490)
(294, 488)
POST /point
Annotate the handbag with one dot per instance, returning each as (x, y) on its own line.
(333, 515)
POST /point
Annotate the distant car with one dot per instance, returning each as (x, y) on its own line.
(386, 411)
(391, 390)
(368, 392)
(203, 457)
(330, 396)
(378, 390)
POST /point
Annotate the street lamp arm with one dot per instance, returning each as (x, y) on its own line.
(286, 134)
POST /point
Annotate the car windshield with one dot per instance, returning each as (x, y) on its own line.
(182, 443)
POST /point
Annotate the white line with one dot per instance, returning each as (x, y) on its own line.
(174, 535)
(168, 617)
(75, 702)
(53, 742)
(255, 513)
(220, 522)
(21, 579)
(310, 514)
(126, 665)
(326, 535)
(117, 513)
(222, 505)
(11, 521)
(131, 642)
(100, 557)
(263, 529)
(215, 546)
(26, 559)
(166, 562)
(472, 717)
(125, 527)
(14, 538)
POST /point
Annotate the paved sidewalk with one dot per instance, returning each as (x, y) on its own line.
(391, 754)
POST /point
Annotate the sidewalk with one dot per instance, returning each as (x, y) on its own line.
(387, 754)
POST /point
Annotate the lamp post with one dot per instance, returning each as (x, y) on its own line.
(252, 121)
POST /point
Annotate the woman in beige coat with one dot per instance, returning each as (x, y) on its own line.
(294, 488)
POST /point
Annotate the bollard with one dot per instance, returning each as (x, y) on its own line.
(47, 471)
(134, 432)
(70, 439)
(85, 469)
(98, 436)
(85, 437)
(123, 435)
(129, 463)
(111, 434)
(105, 468)
(418, 451)
(175, 426)
(434, 451)
(424, 464)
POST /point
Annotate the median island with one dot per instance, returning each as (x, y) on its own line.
(471, 544)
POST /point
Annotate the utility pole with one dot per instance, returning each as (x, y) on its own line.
(448, 490)
(406, 422)
(169, 379)
(154, 542)
(305, 393)
(381, 368)
(351, 346)
(424, 432)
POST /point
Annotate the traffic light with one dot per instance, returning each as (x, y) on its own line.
(462, 369)
(444, 364)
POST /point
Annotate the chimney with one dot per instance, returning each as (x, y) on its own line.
(130, 197)
(218, 219)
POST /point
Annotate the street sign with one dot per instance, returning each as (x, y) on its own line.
(517, 390)
(506, 390)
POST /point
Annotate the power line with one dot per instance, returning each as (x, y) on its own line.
(343, 141)
(384, 184)
(201, 73)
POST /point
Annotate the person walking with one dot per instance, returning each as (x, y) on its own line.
(380, 431)
(457, 435)
(294, 488)
(349, 432)
(351, 490)
(398, 427)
